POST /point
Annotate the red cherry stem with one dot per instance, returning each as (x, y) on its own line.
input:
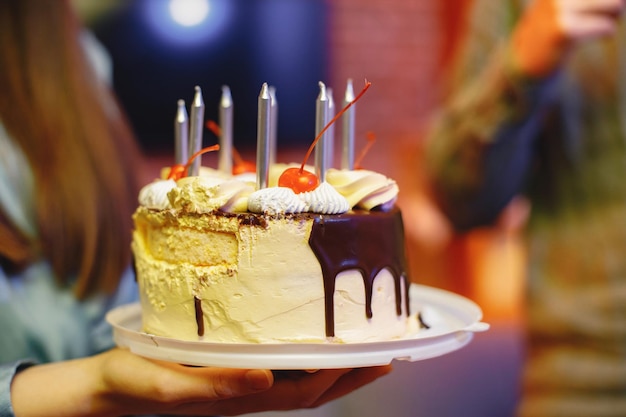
(197, 154)
(237, 157)
(214, 128)
(217, 131)
(333, 120)
(371, 138)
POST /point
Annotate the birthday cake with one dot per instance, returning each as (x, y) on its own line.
(219, 259)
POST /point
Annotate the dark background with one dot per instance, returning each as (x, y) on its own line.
(243, 44)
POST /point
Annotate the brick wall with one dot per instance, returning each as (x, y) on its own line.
(403, 48)
(396, 45)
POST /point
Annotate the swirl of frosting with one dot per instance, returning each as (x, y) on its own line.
(275, 200)
(206, 194)
(364, 189)
(325, 200)
(154, 195)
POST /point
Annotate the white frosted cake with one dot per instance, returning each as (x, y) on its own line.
(217, 260)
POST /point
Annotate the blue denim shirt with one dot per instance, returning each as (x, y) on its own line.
(41, 323)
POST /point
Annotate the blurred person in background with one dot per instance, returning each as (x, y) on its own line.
(69, 177)
(537, 110)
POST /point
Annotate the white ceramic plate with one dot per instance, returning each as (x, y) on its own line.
(453, 320)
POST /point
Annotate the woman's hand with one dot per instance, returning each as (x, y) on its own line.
(118, 383)
(549, 28)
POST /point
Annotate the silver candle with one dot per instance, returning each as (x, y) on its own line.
(321, 120)
(196, 127)
(330, 133)
(225, 163)
(347, 154)
(181, 134)
(263, 138)
(273, 125)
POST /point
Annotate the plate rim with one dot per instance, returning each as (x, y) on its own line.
(425, 344)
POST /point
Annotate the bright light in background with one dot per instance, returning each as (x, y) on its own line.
(189, 12)
(187, 22)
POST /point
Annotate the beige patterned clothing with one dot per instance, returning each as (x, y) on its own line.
(561, 142)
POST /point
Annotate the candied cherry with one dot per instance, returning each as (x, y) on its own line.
(299, 179)
(177, 172)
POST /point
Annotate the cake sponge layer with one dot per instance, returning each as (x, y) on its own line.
(254, 279)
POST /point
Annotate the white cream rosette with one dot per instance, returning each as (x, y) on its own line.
(364, 189)
(154, 195)
(275, 200)
(206, 194)
(324, 200)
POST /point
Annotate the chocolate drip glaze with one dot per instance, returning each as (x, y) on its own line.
(199, 316)
(366, 241)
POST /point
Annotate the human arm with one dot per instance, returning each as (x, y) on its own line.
(480, 149)
(118, 383)
(7, 373)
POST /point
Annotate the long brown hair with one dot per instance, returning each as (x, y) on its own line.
(79, 145)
